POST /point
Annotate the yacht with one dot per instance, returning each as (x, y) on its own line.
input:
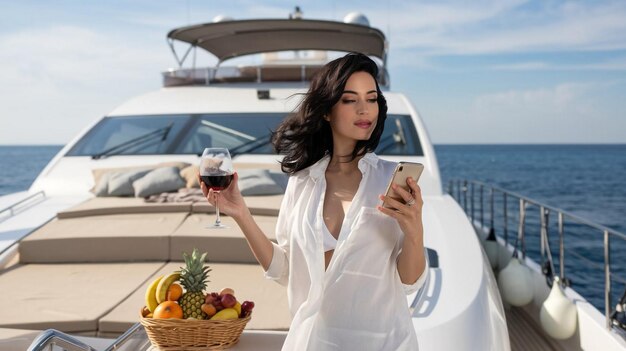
(77, 252)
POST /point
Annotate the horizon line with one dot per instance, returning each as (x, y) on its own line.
(434, 144)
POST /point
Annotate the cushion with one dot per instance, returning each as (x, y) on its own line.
(98, 173)
(158, 181)
(103, 238)
(223, 245)
(68, 297)
(190, 175)
(17, 339)
(261, 182)
(121, 184)
(102, 186)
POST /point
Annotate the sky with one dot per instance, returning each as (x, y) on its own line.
(479, 72)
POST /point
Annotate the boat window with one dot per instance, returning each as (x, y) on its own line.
(399, 137)
(244, 133)
(136, 135)
(247, 133)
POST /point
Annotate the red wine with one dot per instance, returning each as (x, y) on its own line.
(218, 182)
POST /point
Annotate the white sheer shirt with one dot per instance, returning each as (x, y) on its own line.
(363, 266)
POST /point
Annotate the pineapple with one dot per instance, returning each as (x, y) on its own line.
(194, 278)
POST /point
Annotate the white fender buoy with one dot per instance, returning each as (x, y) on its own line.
(541, 290)
(558, 314)
(491, 249)
(504, 256)
(515, 283)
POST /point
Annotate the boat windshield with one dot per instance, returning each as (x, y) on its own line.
(245, 133)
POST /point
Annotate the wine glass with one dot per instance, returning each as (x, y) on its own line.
(216, 172)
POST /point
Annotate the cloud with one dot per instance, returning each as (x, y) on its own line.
(62, 77)
(618, 64)
(568, 112)
(495, 27)
(565, 113)
(541, 101)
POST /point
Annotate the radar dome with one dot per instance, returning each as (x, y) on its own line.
(221, 18)
(356, 18)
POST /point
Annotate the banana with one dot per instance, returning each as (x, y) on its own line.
(237, 308)
(164, 284)
(151, 301)
(227, 313)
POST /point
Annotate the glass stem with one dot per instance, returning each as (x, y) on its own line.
(218, 222)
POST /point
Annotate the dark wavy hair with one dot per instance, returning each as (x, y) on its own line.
(305, 136)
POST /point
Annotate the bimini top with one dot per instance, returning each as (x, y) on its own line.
(231, 39)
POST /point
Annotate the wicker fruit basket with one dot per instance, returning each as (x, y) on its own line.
(193, 334)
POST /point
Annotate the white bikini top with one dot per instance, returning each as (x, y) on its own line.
(329, 240)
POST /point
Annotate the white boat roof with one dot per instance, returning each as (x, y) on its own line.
(205, 99)
(231, 39)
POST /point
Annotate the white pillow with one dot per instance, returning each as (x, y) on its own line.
(102, 187)
(121, 184)
(158, 181)
(261, 182)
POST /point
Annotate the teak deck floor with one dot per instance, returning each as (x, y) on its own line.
(525, 334)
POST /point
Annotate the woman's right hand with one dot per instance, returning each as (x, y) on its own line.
(230, 199)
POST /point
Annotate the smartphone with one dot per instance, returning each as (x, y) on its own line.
(403, 171)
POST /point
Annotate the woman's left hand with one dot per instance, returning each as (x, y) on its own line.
(409, 213)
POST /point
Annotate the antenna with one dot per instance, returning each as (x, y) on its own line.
(297, 14)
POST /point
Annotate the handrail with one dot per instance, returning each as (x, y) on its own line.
(249, 74)
(202, 76)
(53, 337)
(13, 209)
(462, 190)
(578, 219)
(119, 342)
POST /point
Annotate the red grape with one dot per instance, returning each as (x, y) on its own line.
(246, 308)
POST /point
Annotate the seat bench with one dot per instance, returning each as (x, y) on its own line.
(105, 238)
(68, 297)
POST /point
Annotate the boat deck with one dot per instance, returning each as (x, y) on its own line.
(525, 334)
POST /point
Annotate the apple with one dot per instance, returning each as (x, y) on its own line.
(228, 300)
(227, 291)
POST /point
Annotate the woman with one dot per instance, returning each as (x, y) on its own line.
(347, 262)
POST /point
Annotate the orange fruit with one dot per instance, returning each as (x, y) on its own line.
(168, 309)
(174, 292)
(209, 309)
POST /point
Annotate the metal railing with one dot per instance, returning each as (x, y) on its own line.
(21, 205)
(134, 339)
(248, 74)
(126, 342)
(52, 337)
(463, 187)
